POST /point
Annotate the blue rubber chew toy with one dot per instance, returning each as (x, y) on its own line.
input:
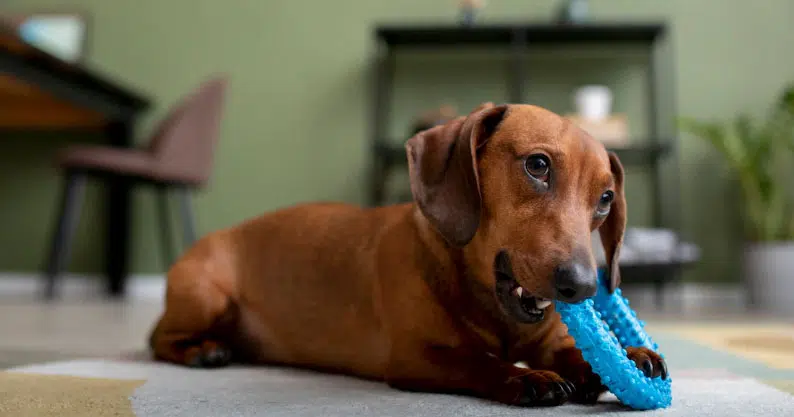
(603, 327)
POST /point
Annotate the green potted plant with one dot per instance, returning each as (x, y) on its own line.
(759, 155)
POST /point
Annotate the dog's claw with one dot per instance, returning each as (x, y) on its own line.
(647, 368)
(546, 393)
(569, 387)
(590, 397)
(587, 390)
(562, 389)
(217, 357)
(556, 394)
(208, 355)
(565, 388)
(649, 362)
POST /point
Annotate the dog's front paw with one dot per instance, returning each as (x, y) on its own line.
(544, 389)
(208, 355)
(648, 361)
(588, 390)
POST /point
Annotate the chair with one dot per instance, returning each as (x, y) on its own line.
(179, 156)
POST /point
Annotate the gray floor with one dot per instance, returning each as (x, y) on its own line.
(35, 332)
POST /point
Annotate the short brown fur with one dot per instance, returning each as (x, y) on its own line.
(406, 293)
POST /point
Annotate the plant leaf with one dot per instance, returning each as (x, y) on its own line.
(761, 155)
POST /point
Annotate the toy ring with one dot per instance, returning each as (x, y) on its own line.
(603, 327)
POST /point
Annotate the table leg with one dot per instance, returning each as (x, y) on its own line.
(118, 215)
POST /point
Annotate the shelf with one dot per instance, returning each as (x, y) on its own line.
(507, 34)
(652, 272)
(642, 153)
(636, 155)
(518, 38)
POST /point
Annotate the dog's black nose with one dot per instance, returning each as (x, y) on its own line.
(574, 282)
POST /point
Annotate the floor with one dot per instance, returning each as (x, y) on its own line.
(721, 337)
(34, 332)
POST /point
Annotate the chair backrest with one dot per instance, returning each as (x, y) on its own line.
(184, 142)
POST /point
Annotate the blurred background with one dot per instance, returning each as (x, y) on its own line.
(263, 104)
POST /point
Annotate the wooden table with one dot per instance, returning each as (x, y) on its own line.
(39, 92)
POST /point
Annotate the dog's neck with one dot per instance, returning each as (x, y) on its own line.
(456, 286)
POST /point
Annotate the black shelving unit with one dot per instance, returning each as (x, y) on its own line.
(517, 40)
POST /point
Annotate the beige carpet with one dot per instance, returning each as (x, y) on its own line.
(770, 344)
(26, 395)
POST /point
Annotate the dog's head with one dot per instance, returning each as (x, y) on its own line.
(520, 189)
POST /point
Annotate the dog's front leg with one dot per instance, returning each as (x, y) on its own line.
(462, 371)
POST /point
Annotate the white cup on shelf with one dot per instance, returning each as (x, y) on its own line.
(593, 102)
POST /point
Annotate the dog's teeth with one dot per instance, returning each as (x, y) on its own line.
(519, 291)
(541, 304)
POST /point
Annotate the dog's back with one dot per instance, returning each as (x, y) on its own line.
(323, 317)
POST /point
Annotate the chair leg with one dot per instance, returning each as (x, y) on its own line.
(188, 221)
(165, 228)
(68, 219)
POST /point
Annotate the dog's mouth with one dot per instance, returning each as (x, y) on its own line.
(517, 301)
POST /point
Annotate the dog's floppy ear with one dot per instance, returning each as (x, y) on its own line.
(442, 165)
(613, 228)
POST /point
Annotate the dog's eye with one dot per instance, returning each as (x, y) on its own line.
(604, 203)
(537, 166)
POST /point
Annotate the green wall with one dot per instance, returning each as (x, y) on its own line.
(296, 127)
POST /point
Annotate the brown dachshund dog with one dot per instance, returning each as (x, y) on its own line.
(446, 294)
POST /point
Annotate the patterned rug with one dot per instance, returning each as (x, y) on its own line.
(139, 389)
(761, 351)
(719, 370)
(770, 344)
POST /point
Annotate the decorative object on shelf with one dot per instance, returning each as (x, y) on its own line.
(434, 117)
(654, 246)
(573, 11)
(469, 10)
(593, 105)
(613, 131)
(593, 102)
(759, 154)
(61, 34)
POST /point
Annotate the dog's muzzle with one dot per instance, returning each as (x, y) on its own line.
(517, 301)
